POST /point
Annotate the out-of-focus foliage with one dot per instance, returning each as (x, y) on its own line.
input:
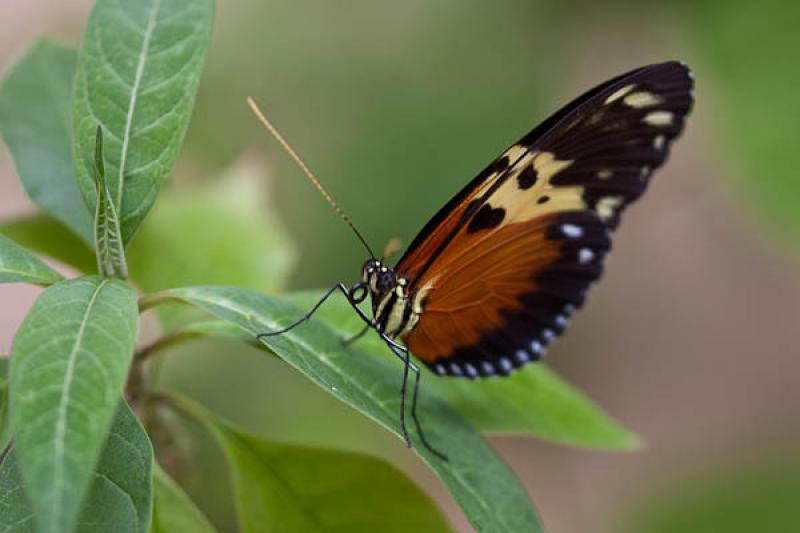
(5, 431)
(173, 511)
(36, 124)
(221, 233)
(760, 496)
(747, 80)
(286, 487)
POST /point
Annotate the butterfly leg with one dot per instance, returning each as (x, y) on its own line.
(340, 287)
(433, 450)
(402, 352)
(350, 340)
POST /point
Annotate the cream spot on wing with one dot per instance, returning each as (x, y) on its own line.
(420, 295)
(642, 99)
(514, 152)
(547, 165)
(521, 205)
(658, 118)
(607, 206)
(658, 142)
(604, 174)
(487, 184)
(619, 93)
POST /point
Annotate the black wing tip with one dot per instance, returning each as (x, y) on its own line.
(675, 68)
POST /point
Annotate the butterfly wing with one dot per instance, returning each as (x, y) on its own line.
(499, 270)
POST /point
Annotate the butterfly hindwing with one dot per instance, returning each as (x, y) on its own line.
(499, 270)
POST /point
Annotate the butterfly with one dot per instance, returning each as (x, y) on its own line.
(494, 277)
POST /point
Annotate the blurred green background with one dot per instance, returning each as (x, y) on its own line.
(692, 337)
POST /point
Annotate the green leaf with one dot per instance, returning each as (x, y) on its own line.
(107, 238)
(221, 233)
(533, 400)
(36, 124)
(173, 511)
(283, 487)
(46, 236)
(487, 491)
(138, 71)
(5, 429)
(69, 361)
(738, 498)
(537, 401)
(18, 264)
(120, 496)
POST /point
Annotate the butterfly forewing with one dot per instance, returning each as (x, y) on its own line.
(499, 270)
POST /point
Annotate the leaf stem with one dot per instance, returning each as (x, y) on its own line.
(167, 341)
(147, 301)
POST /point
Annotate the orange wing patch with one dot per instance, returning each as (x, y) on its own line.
(498, 271)
(478, 315)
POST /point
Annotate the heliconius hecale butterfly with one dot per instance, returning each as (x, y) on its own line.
(495, 275)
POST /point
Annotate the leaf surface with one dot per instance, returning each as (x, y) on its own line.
(69, 361)
(487, 491)
(119, 498)
(18, 264)
(107, 238)
(46, 236)
(284, 487)
(173, 511)
(139, 66)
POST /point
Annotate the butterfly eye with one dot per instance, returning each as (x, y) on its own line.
(368, 270)
(386, 281)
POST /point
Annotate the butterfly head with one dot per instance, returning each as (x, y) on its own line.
(392, 304)
(378, 277)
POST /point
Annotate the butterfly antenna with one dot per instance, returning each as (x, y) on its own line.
(307, 172)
